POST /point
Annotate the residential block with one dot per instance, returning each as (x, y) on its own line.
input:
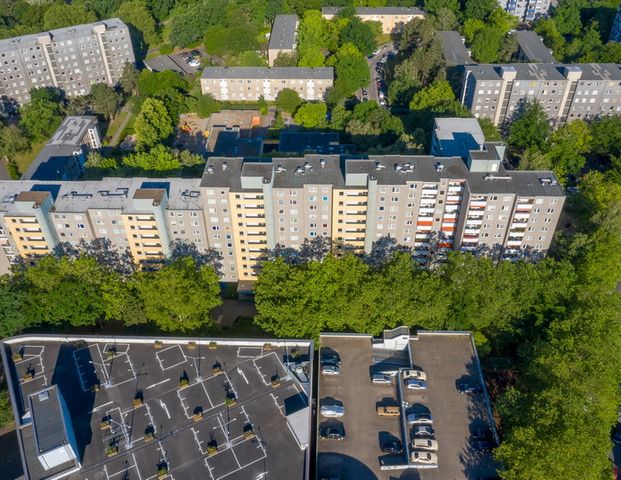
(283, 37)
(392, 18)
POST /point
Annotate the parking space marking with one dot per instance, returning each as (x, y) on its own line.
(157, 354)
(120, 423)
(275, 398)
(240, 467)
(124, 472)
(118, 348)
(248, 352)
(157, 384)
(198, 442)
(163, 405)
(182, 401)
(243, 375)
(29, 353)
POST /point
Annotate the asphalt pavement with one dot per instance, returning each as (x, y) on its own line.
(373, 61)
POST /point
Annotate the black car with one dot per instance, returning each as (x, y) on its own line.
(392, 446)
(616, 435)
(330, 358)
(469, 387)
(332, 432)
(483, 434)
(483, 445)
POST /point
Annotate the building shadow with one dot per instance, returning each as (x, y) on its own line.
(343, 467)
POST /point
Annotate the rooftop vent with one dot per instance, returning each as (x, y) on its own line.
(439, 166)
(322, 163)
(308, 167)
(379, 166)
(210, 169)
(548, 181)
(404, 167)
(43, 396)
(497, 177)
(224, 166)
(280, 169)
(299, 171)
(191, 193)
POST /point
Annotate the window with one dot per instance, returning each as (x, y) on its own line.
(80, 226)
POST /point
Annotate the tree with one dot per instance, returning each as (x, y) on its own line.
(190, 26)
(479, 9)
(286, 60)
(340, 116)
(263, 105)
(352, 71)
(360, 34)
(160, 8)
(129, 79)
(288, 100)
(312, 32)
(192, 292)
(159, 158)
(95, 159)
(6, 412)
(433, 6)
(13, 301)
(105, 100)
(529, 129)
(312, 115)
(428, 98)
(567, 18)
(312, 57)
(180, 249)
(153, 124)
(157, 84)
(142, 25)
(100, 249)
(490, 131)
(41, 116)
(568, 145)
(606, 134)
(12, 141)
(204, 105)
(62, 15)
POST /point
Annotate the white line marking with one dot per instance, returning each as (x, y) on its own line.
(241, 374)
(157, 384)
(163, 405)
(96, 409)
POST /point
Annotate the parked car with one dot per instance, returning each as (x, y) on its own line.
(483, 445)
(469, 387)
(616, 435)
(365, 92)
(422, 431)
(422, 418)
(425, 444)
(421, 456)
(332, 432)
(332, 411)
(483, 434)
(194, 62)
(414, 373)
(388, 411)
(413, 384)
(382, 102)
(381, 379)
(330, 357)
(391, 446)
(185, 55)
(330, 369)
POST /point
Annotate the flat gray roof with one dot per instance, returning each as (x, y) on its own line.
(72, 130)
(283, 32)
(326, 73)
(533, 47)
(455, 52)
(599, 71)
(445, 128)
(547, 71)
(47, 420)
(162, 63)
(61, 33)
(377, 11)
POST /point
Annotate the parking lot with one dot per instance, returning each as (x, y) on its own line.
(446, 360)
(194, 410)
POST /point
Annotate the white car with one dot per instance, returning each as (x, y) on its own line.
(425, 444)
(414, 373)
(413, 384)
(419, 418)
(381, 379)
(332, 410)
(194, 62)
(428, 458)
(329, 369)
(422, 431)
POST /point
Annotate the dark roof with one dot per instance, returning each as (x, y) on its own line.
(533, 48)
(162, 63)
(156, 194)
(230, 144)
(455, 52)
(283, 32)
(269, 73)
(47, 420)
(316, 142)
(423, 168)
(547, 71)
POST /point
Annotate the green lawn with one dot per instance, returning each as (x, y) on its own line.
(25, 159)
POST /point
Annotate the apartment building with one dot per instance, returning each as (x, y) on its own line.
(249, 83)
(615, 32)
(283, 37)
(72, 58)
(392, 18)
(565, 91)
(456, 137)
(531, 48)
(526, 10)
(63, 157)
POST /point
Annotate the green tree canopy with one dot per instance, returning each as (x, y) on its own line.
(159, 158)
(190, 25)
(360, 34)
(288, 100)
(351, 69)
(105, 100)
(153, 124)
(142, 25)
(41, 116)
(529, 129)
(60, 15)
(191, 294)
(312, 115)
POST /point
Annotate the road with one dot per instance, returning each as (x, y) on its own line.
(383, 50)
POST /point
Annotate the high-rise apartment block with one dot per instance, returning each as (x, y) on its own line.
(241, 207)
(392, 18)
(615, 33)
(525, 10)
(565, 91)
(283, 37)
(72, 58)
(250, 83)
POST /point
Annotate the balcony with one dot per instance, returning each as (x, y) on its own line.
(475, 222)
(478, 203)
(453, 198)
(355, 204)
(147, 228)
(426, 210)
(424, 228)
(521, 216)
(518, 225)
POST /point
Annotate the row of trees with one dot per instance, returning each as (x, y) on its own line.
(93, 283)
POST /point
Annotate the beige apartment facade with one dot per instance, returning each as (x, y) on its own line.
(392, 18)
(250, 83)
(242, 207)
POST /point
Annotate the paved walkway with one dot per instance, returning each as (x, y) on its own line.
(114, 141)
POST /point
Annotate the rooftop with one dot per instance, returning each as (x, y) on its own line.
(315, 142)
(547, 71)
(166, 405)
(446, 128)
(47, 419)
(163, 63)
(326, 73)
(283, 32)
(455, 52)
(377, 11)
(446, 358)
(60, 34)
(533, 48)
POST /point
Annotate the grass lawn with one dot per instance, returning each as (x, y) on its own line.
(118, 122)
(25, 159)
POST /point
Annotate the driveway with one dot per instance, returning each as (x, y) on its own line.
(373, 61)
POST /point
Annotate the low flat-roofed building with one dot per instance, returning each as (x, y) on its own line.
(532, 49)
(250, 83)
(283, 37)
(312, 142)
(392, 18)
(447, 360)
(456, 137)
(141, 408)
(454, 50)
(63, 157)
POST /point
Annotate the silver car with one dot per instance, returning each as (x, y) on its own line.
(414, 373)
(332, 411)
(425, 444)
(419, 418)
(329, 369)
(381, 379)
(428, 458)
(413, 384)
(422, 431)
